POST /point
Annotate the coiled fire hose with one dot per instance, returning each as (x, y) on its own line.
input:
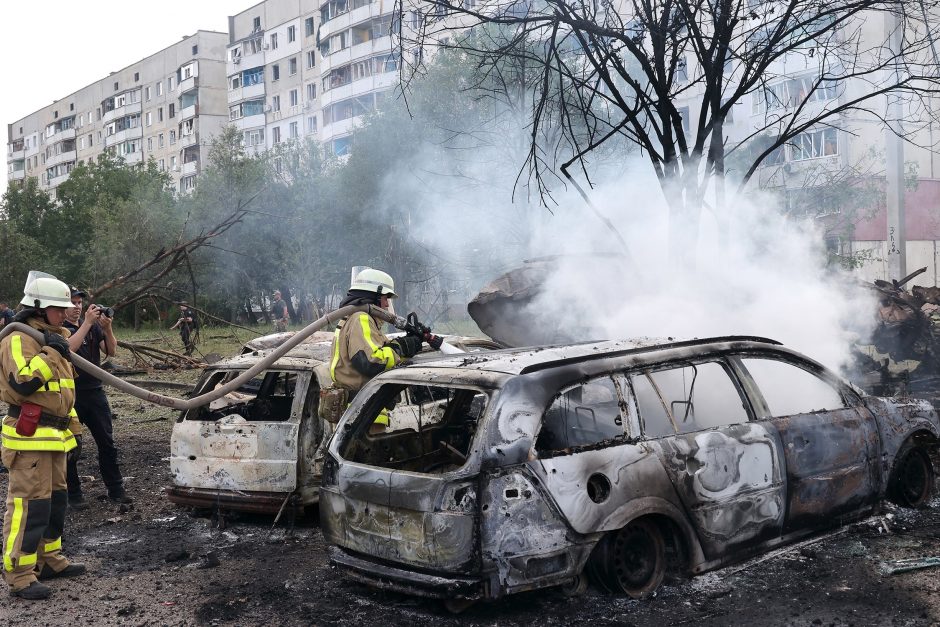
(231, 386)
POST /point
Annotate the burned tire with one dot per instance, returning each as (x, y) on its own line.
(912, 479)
(630, 561)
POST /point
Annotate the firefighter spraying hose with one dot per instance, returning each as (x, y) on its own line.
(414, 327)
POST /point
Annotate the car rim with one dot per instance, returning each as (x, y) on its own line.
(914, 478)
(638, 559)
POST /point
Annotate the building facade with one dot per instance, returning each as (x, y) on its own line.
(164, 107)
(306, 68)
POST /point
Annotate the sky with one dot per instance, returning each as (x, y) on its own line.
(52, 48)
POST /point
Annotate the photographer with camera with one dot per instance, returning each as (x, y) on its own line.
(92, 335)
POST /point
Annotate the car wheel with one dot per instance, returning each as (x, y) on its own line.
(912, 479)
(574, 587)
(631, 561)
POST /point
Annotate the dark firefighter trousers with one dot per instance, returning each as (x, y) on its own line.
(94, 412)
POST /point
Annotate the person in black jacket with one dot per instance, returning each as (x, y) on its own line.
(92, 335)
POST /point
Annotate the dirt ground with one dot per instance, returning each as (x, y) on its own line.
(157, 564)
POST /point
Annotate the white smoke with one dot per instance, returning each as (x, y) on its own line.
(769, 279)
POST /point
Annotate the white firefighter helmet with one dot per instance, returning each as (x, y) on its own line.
(44, 290)
(372, 280)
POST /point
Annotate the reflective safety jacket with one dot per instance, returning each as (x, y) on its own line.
(25, 358)
(360, 352)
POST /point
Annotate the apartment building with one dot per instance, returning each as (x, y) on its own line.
(164, 107)
(299, 68)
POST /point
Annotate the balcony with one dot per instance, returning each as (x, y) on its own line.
(189, 84)
(190, 168)
(68, 133)
(62, 157)
(376, 82)
(18, 173)
(189, 112)
(58, 180)
(134, 157)
(379, 45)
(245, 93)
(249, 121)
(188, 140)
(120, 112)
(120, 136)
(350, 18)
(16, 155)
(335, 129)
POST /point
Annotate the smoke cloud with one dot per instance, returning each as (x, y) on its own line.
(768, 279)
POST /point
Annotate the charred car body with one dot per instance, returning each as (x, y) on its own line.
(618, 460)
(261, 448)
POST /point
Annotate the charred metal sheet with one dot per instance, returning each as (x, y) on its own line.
(256, 502)
(831, 460)
(387, 577)
(520, 528)
(731, 483)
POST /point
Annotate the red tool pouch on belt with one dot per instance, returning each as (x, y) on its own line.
(29, 419)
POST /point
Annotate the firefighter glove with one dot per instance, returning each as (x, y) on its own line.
(73, 455)
(407, 346)
(26, 388)
(57, 342)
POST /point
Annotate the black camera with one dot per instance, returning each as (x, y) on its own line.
(107, 312)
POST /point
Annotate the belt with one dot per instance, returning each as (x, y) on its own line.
(45, 419)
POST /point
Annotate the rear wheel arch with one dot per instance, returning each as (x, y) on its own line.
(674, 522)
(911, 482)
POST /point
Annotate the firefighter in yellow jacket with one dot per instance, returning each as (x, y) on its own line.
(360, 349)
(37, 381)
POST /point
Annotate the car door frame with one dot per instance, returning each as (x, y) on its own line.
(728, 510)
(831, 466)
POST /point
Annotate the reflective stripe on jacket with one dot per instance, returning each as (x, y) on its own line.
(360, 352)
(24, 358)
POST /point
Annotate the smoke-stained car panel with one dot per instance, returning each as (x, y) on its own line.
(261, 448)
(615, 460)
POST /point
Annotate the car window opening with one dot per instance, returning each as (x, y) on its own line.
(430, 428)
(582, 416)
(268, 397)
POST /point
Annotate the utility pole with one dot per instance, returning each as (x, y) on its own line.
(894, 165)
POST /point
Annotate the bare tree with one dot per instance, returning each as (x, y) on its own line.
(628, 68)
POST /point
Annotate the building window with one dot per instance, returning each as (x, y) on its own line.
(682, 70)
(149, 144)
(162, 165)
(273, 41)
(147, 93)
(311, 58)
(160, 140)
(312, 124)
(169, 83)
(159, 88)
(308, 27)
(172, 137)
(149, 118)
(235, 82)
(276, 103)
(256, 23)
(311, 92)
(275, 72)
(293, 98)
(115, 87)
(195, 50)
(172, 110)
(276, 134)
(136, 77)
(292, 66)
(159, 114)
(291, 34)
(814, 144)
(90, 135)
(292, 130)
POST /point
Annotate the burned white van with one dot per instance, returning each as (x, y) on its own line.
(261, 448)
(615, 460)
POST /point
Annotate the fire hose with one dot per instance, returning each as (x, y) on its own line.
(234, 384)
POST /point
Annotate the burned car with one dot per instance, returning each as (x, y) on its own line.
(616, 460)
(261, 447)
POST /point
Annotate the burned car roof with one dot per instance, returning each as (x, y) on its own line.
(530, 359)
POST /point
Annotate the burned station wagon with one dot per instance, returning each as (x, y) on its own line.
(261, 447)
(615, 460)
